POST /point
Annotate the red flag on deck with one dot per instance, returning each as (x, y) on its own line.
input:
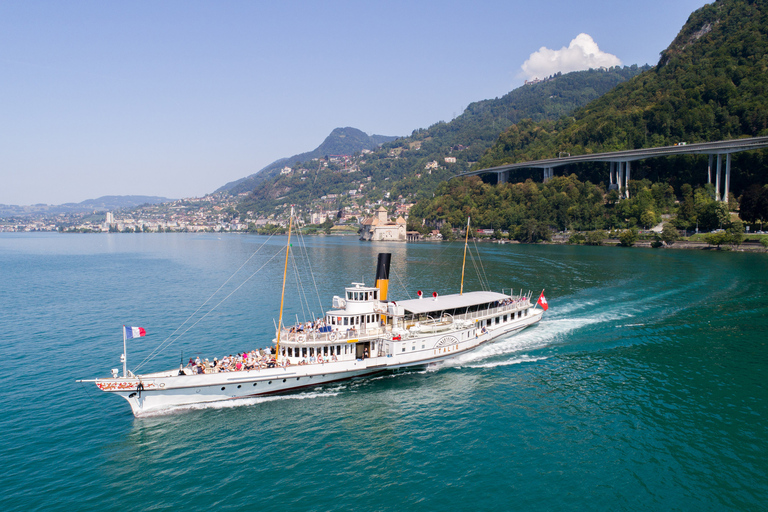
(542, 301)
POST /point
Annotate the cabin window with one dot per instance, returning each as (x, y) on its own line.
(497, 319)
(505, 318)
(349, 295)
(375, 294)
(346, 320)
(373, 345)
(345, 348)
(325, 351)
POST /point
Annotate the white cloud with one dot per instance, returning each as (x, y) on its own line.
(582, 53)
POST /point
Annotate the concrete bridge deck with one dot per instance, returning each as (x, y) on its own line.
(620, 161)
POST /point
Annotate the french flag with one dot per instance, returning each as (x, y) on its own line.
(134, 332)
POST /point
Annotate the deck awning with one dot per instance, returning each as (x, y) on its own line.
(446, 302)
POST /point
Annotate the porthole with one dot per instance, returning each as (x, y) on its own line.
(270, 382)
(297, 378)
(254, 383)
(239, 386)
(223, 388)
(283, 380)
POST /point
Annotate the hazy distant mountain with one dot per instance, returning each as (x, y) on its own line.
(103, 203)
(341, 141)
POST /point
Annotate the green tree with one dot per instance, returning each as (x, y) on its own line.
(717, 239)
(447, 232)
(669, 235)
(648, 219)
(596, 237)
(735, 232)
(628, 237)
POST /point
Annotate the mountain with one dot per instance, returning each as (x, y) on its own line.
(103, 203)
(341, 141)
(397, 168)
(710, 84)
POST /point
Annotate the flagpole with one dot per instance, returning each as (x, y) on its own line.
(537, 300)
(464, 262)
(125, 357)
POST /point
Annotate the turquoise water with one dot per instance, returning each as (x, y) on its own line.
(642, 389)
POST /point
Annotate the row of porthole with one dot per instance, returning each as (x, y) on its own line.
(268, 382)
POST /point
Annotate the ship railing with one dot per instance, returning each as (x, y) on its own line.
(331, 336)
(512, 307)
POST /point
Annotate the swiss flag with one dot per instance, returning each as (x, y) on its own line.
(542, 301)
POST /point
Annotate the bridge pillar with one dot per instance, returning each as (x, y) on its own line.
(610, 173)
(549, 173)
(502, 177)
(626, 181)
(717, 178)
(727, 176)
(620, 178)
(709, 170)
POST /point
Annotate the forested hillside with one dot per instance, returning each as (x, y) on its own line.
(398, 168)
(341, 141)
(710, 84)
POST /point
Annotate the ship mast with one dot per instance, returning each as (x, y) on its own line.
(282, 295)
(466, 239)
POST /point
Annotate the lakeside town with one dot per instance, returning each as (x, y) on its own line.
(211, 213)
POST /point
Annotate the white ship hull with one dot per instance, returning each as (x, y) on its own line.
(156, 392)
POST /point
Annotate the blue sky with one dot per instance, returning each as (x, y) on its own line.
(176, 98)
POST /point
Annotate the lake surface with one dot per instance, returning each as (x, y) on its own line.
(643, 388)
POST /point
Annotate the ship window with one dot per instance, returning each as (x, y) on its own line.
(375, 294)
(505, 318)
(346, 320)
(349, 295)
(303, 351)
(526, 312)
(497, 319)
(325, 351)
(402, 351)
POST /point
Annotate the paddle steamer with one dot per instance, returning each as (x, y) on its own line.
(363, 333)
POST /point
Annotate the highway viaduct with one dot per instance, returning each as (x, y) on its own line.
(620, 162)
